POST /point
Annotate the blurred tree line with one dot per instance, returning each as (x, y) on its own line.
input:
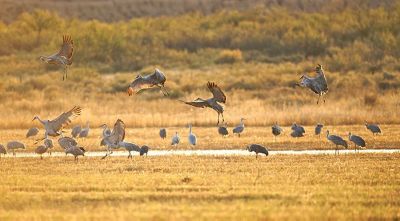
(354, 39)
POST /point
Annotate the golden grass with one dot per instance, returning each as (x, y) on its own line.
(208, 138)
(357, 187)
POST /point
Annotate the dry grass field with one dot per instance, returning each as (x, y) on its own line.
(327, 187)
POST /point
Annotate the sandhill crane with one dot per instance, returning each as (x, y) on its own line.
(296, 133)
(117, 135)
(48, 143)
(223, 130)
(65, 142)
(2, 150)
(41, 150)
(357, 140)
(338, 141)
(374, 128)
(276, 130)
(54, 127)
(318, 129)
(175, 140)
(85, 131)
(75, 151)
(298, 128)
(163, 133)
(214, 102)
(156, 79)
(32, 132)
(106, 132)
(63, 57)
(144, 150)
(258, 149)
(317, 84)
(239, 128)
(192, 137)
(76, 130)
(129, 147)
(13, 145)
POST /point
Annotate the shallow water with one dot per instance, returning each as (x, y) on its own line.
(214, 153)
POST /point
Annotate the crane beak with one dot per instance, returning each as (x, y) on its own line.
(130, 91)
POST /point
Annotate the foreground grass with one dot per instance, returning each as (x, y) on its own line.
(208, 138)
(363, 186)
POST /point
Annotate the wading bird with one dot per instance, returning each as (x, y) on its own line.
(54, 127)
(48, 143)
(106, 132)
(192, 137)
(129, 147)
(239, 128)
(144, 150)
(117, 135)
(76, 130)
(338, 141)
(32, 132)
(63, 57)
(223, 130)
(175, 140)
(13, 145)
(297, 130)
(373, 128)
(214, 102)
(357, 140)
(317, 84)
(257, 149)
(85, 131)
(2, 150)
(276, 130)
(65, 142)
(75, 151)
(318, 129)
(156, 79)
(41, 150)
(163, 133)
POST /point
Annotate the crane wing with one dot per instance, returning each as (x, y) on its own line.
(65, 118)
(67, 48)
(117, 135)
(197, 103)
(217, 92)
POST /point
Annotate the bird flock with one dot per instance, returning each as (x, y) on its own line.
(114, 138)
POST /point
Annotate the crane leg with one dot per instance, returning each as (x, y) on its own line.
(223, 119)
(218, 120)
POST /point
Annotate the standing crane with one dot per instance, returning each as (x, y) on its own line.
(317, 84)
(318, 129)
(239, 128)
(175, 140)
(276, 130)
(156, 79)
(223, 130)
(374, 128)
(117, 135)
(63, 57)
(163, 133)
(213, 103)
(257, 149)
(192, 137)
(338, 141)
(357, 140)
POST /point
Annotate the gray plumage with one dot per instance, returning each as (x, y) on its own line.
(75, 151)
(106, 132)
(76, 130)
(115, 138)
(48, 143)
(66, 142)
(297, 130)
(276, 130)
(239, 128)
(175, 139)
(318, 129)
(213, 103)
(13, 145)
(129, 147)
(223, 130)
(41, 150)
(144, 150)
(163, 133)
(85, 131)
(373, 128)
(316, 84)
(296, 133)
(2, 150)
(357, 140)
(156, 79)
(257, 149)
(192, 137)
(338, 141)
(63, 57)
(32, 132)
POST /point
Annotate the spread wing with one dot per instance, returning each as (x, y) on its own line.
(198, 103)
(67, 48)
(217, 92)
(139, 84)
(117, 135)
(64, 119)
(320, 80)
